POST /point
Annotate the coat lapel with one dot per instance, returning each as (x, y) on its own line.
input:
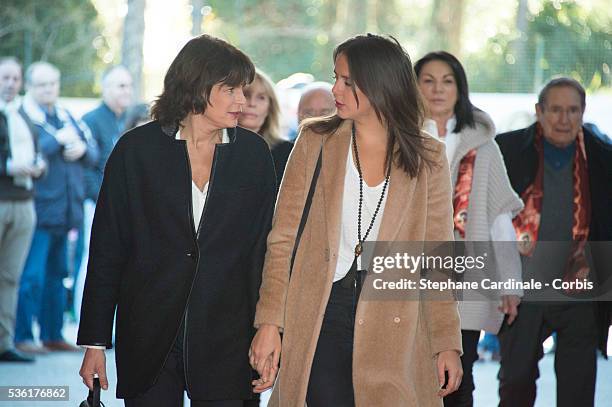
(401, 191)
(335, 153)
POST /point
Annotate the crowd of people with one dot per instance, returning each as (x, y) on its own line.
(52, 166)
(231, 254)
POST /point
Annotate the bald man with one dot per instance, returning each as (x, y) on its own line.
(317, 100)
(107, 122)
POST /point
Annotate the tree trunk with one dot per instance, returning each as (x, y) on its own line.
(358, 17)
(372, 16)
(196, 17)
(446, 24)
(518, 48)
(132, 46)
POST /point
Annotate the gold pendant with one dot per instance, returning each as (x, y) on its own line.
(358, 249)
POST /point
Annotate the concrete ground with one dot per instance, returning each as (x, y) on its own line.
(62, 369)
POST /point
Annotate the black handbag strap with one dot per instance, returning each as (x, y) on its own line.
(313, 185)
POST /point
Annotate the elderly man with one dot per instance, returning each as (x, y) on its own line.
(59, 208)
(19, 164)
(316, 101)
(562, 172)
(107, 122)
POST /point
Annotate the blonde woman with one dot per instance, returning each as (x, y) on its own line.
(261, 114)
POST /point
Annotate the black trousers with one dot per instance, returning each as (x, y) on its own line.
(331, 376)
(463, 397)
(169, 389)
(575, 355)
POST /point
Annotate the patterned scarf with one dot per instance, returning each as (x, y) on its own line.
(463, 188)
(527, 222)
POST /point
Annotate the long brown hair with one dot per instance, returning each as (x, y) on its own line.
(382, 70)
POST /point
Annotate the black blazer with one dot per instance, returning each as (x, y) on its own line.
(147, 259)
(521, 160)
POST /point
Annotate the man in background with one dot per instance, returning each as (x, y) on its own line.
(59, 207)
(106, 123)
(317, 100)
(19, 164)
(562, 172)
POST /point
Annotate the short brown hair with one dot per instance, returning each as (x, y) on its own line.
(202, 63)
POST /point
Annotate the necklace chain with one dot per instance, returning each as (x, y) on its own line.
(359, 247)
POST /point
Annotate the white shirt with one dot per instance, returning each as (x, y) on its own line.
(350, 209)
(198, 199)
(451, 140)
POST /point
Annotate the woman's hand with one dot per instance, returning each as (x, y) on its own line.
(264, 356)
(94, 362)
(448, 361)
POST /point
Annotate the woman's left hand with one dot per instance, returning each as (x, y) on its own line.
(264, 356)
(449, 361)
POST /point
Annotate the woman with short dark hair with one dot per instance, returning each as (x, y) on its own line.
(380, 178)
(484, 202)
(178, 240)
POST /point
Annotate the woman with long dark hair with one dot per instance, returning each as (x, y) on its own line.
(377, 177)
(484, 202)
(178, 241)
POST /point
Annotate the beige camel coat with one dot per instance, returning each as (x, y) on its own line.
(396, 342)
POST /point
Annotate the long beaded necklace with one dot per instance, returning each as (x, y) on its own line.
(359, 246)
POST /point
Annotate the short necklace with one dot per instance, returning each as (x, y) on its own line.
(359, 247)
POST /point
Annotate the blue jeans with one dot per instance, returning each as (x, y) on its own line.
(41, 291)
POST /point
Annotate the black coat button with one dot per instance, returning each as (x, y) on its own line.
(191, 255)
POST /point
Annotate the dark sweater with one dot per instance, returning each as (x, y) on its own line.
(106, 128)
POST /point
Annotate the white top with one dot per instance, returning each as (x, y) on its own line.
(451, 140)
(350, 209)
(20, 141)
(198, 199)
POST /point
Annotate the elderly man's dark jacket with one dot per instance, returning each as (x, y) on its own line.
(521, 160)
(147, 259)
